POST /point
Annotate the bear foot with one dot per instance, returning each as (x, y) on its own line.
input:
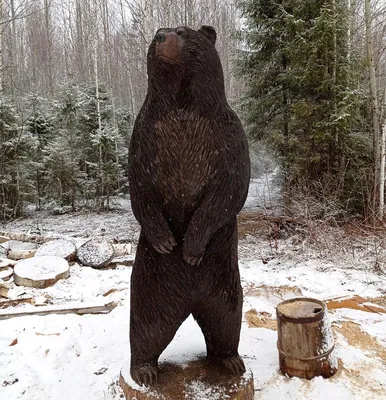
(144, 374)
(234, 364)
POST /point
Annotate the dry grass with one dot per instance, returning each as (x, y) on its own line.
(260, 320)
(352, 240)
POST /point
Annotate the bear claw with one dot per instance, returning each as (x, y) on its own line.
(165, 247)
(235, 364)
(145, 375)
(193, 260)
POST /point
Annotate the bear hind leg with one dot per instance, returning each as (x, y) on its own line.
(222, 334)
(147, 344)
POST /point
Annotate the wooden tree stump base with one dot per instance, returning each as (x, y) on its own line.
(192, 381)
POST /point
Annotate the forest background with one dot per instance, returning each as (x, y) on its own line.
(307, 77)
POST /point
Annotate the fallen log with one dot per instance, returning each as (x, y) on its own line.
(101, 309)
(28, 237)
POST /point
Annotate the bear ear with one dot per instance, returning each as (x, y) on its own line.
(209, 32)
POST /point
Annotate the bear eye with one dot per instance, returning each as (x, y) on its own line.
(180, 31)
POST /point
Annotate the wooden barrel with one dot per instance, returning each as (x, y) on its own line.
(305, 340)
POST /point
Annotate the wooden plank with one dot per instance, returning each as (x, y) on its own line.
(93, 309)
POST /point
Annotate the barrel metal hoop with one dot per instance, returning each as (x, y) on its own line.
(314, 358)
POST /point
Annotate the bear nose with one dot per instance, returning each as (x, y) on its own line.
(160, 37)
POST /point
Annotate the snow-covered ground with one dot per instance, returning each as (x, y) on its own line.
(61, 357)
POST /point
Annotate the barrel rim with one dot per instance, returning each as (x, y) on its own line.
(301, 320)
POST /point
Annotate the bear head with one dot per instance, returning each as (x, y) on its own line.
(185, 61)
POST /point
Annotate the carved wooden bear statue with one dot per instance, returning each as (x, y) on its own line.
(189, 172)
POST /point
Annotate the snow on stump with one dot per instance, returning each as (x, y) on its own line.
(6, 274)
(40, 272)
(96, 253)
(6, 262)
(305, 340)
(17, 250)
(191, 381)
(4, 239)
(63, 248)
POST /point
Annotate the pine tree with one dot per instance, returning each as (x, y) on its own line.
(64, 155)
(39, 125)
(302, 98)
(103, 145)
(16, 146)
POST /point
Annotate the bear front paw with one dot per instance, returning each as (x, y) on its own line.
(165, 246)
(192, 257)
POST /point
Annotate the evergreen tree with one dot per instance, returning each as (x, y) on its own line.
(16, 147)
(103, 146)
(39, 125)
(63, 159)
(302, 97)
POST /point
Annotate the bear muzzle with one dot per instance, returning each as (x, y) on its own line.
(168, 46)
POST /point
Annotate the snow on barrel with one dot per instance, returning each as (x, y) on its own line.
(40, 272)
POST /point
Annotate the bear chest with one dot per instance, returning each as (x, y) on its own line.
(186, 156)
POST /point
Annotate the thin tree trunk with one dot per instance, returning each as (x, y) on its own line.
(99, 121)
(47, 17)
(1, 49)
(382, 174)
(374, 107)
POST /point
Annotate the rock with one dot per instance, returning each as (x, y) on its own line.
(96, 253)
(192, 381)
(41, 272)
(17, 250)
(63, 248)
